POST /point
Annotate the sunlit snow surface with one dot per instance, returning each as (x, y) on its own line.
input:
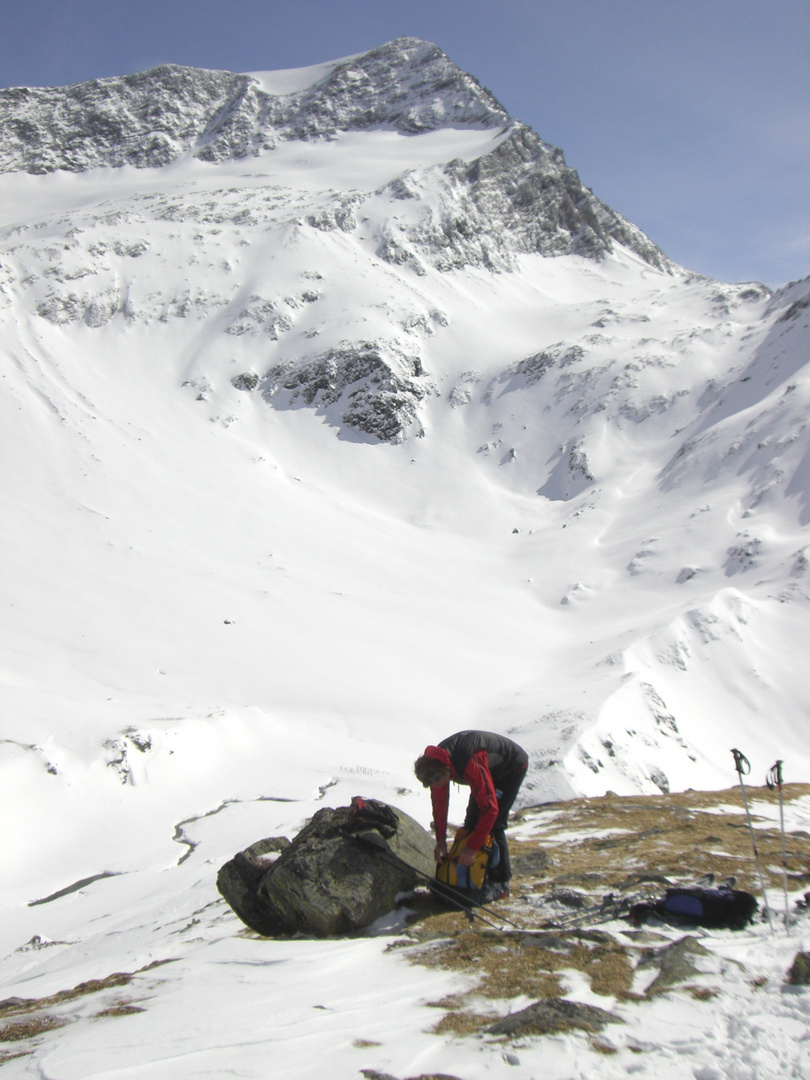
(222, 612)
(294, 80)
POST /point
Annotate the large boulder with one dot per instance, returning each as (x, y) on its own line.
(328, 880)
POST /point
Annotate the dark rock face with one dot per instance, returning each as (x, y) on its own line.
(535, 862)
(247, 381)
(145, 120)
(680, 962)
(555, 1015)
(520, 198)
(407, 84)
(677, 963)
(326, 882)
(239, 879)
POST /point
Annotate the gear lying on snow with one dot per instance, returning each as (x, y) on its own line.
(714, 908)
(324, 882)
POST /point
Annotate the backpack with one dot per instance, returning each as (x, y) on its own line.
(713, 908)
(465, 883)
(367, 814)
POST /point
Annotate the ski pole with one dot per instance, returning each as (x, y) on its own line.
(743, 767)
(774, 780)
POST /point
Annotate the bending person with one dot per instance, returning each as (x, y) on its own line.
(493, 767)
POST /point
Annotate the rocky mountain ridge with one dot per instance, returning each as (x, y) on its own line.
(151, 118)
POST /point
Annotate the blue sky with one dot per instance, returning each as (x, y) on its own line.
(690, 118)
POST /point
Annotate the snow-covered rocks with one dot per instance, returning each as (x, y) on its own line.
(376, 387)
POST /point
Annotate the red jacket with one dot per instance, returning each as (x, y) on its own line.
(479, 779)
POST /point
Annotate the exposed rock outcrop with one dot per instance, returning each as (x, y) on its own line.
(376, 387)
(799, 973)
(520, 198)
(238, 880)
(554, 1016)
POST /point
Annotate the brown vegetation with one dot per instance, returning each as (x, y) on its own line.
(567, 857)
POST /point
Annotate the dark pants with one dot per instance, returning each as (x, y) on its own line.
(506, 789)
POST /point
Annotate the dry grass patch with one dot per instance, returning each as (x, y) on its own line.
(28, 1028)
(702, 993)
(680, 837)
(4, 1056)
(373, 1074)
(610, 970)
(500, 966)
(450, 1001)
(124, 1008)
(599, 1046)
(463, 1023)
(23, 1006)
(581, 851)
(511, 964)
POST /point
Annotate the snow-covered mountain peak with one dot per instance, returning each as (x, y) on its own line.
(395, 155)
(152, 118)
(403, 330)
(511, 193)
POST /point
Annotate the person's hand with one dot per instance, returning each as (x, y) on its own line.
(466, 858)
(440, 851)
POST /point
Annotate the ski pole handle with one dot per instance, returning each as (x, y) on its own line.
(774, 777)
(741, 763)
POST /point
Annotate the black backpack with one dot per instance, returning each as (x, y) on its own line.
(713, 908)
(367, 814)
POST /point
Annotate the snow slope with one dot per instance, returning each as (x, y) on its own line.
(364, 426)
